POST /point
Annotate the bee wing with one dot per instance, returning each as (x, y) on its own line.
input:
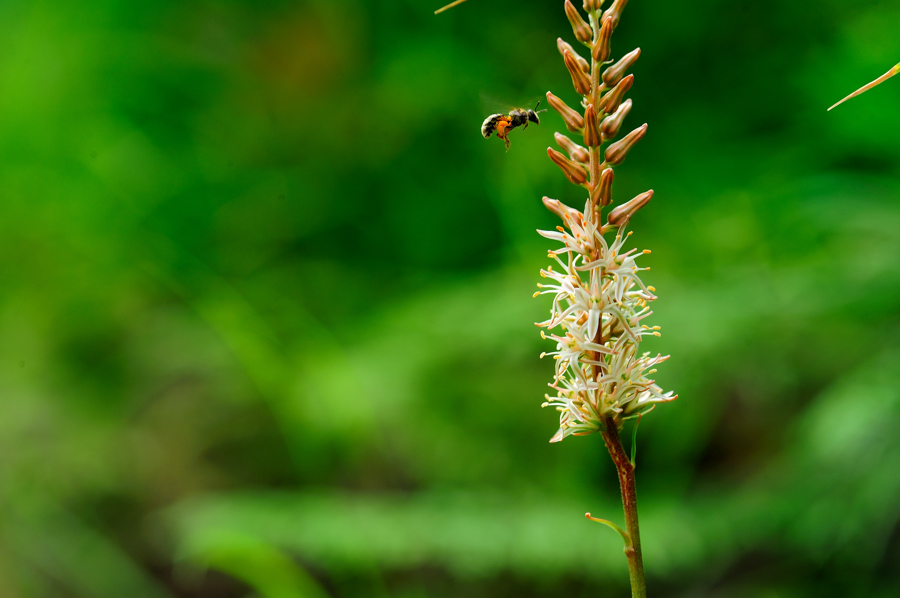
(491, 104)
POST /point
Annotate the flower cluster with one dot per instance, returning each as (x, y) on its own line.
(599, 301)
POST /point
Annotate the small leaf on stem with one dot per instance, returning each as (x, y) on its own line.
(612, 526)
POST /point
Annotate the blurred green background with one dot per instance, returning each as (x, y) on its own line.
(266, 324)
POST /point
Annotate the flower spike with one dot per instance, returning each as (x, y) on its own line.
(600, 305)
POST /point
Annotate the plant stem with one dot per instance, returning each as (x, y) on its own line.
(625, 468)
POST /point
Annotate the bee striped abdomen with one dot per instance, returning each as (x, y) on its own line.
(490, 124)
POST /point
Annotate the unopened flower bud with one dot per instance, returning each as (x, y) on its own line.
(574, 172)
(615, 153)
(580, 80)
(624, 212)
(592, 5)
(560, 209)
(614, 12)
(573, 120)
(592, 136)
(614, 74)
(582, 30)
(613, 98)
(601, 194)
(612, 123)
(575, 151)
(602, 48)
(554, 205)
(564, 46)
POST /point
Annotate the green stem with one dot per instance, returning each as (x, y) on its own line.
(625, 468)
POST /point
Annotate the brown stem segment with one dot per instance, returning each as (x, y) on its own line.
(625, 468)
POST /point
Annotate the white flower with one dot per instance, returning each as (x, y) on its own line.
(599, 303)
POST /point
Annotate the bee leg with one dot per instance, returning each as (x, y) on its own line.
(506, 141)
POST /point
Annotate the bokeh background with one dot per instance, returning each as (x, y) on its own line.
(266, 324)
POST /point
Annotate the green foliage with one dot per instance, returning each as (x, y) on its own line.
(266, 303)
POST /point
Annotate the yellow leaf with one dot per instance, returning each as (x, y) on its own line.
(869, 86)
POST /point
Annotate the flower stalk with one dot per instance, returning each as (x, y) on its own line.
(600, 302)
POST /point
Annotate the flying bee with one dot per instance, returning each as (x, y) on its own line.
(503, 124)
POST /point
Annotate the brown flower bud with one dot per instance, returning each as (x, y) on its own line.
(612, 123)
(580, 80)
(614, 74)
(601, 194)
(564, 46)
(554, 205)
(624, 212)
(614, 12)
(582, 30)
(575, 151)
(592, 136)
(602, 48)
(560, 209)
(574, 172)
(613, 98)
(615, 153)
(573, 120)
(592, 5)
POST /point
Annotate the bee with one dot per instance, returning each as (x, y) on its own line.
(503, 124)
